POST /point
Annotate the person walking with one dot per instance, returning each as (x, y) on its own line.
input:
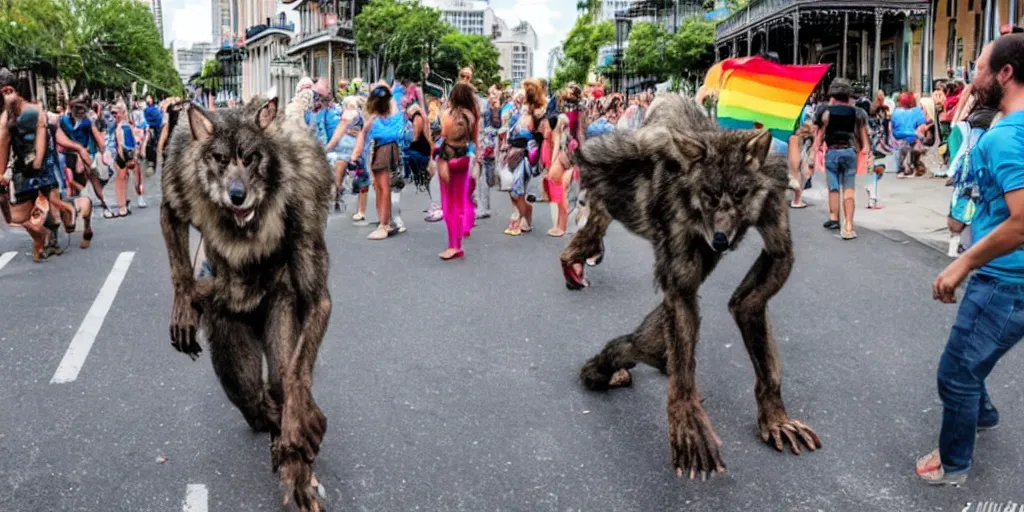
(460, 127)
(384, 127)
(844, 129)
(990, 320)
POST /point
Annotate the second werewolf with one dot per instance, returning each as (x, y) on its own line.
(256, 187)
(693, 191)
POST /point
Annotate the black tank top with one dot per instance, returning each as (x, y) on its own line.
(420, 144)
(842, 125)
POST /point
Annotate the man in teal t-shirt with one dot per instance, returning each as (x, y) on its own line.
(991, 316)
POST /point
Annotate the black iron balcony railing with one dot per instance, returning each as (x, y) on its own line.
(256, 30)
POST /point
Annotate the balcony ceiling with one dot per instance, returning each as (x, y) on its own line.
(761, 11)
(270, 32)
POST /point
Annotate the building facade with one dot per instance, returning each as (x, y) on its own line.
(268, 36)
(471, 17)
(876, 44)
(225, 21)
(325, 43)
(156, 9)
(189, 61)
(961, 29)
(515, 53)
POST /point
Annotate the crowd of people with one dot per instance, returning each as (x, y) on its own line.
(520, 141)
(49, 157)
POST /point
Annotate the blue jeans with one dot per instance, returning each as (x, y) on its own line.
(989, 323)
(841, 167)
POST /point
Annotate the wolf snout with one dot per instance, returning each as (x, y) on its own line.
(236, 192)
(720, 241)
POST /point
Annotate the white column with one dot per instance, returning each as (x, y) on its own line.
(876, 67)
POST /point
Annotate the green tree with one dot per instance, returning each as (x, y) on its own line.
(403, 34)
(117, 40)
(33, 36)
(457, 50)
(209, 77)
(692, 48)
(646, 53)
(580, 49)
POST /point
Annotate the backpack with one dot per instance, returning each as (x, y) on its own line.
(963, 204)
(408, 133)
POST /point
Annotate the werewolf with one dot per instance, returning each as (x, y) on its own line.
(255, 186)
(692, 190)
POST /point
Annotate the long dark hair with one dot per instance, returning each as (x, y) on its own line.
(463, 96)
(379, 101)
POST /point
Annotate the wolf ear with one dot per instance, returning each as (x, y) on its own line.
(758, 146)
(200, 123)
(267, 114)
(690, 147)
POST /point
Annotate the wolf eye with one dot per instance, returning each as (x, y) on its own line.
(251, 158)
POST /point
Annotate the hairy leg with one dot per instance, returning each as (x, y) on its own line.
(695, 445)
(237, 355)
(749, 307)
(610, 368)
(292, 350)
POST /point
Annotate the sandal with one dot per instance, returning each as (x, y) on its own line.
(798, 206)
(848, 235)
(929, 468)
(108, 214)
(459, 254)
(378, 234)
(513, 229)
(573, 281)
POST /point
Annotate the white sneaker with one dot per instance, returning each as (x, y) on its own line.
(142, 202)
(954, 246)
(399, 223)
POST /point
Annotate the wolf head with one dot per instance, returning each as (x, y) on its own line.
(237, 164)
(730, 177)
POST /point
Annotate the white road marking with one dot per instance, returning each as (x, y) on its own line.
(74, 358)
(6, 258)
(196, 498)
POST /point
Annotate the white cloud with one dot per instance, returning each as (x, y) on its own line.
(188, 21)
(550, 19)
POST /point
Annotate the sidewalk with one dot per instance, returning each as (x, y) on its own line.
(916, 207)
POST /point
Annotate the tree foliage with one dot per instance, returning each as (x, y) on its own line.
(408, 35)
(457, 50)
(209, 77)
(84, 41)
(580, 49)
(654, 52)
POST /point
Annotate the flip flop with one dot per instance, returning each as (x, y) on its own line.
(797, 206)
(573, 281)
(108, 214)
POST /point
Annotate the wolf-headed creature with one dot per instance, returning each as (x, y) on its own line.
(255, 186)
(692, 190)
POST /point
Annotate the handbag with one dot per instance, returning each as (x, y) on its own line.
(505, 176)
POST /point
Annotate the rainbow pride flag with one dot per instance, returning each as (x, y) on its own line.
(754, 90)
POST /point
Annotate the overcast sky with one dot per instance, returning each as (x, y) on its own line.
(188, 21)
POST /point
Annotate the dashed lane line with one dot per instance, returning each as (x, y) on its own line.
(74, 358)
(6, 258)
(196, 498)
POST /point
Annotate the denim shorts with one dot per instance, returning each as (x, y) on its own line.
(841, 167)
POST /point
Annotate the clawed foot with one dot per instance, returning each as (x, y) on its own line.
(299, 438)
(595, 379)
(782, 430)
(300, 486)
(695, 445)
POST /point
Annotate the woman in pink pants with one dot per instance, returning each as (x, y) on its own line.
(460, 127)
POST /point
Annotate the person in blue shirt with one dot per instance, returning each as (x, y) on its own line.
(384, 127)
(154, 119)
(78, 125)
(909, 122)
(990, 320)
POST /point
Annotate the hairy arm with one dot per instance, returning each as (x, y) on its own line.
(184, 316)
(67, 143)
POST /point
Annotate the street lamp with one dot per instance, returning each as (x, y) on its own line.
(621, 33)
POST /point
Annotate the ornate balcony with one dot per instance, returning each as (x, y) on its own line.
(759, 12)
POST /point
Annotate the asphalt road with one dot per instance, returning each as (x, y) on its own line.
(452, 385)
